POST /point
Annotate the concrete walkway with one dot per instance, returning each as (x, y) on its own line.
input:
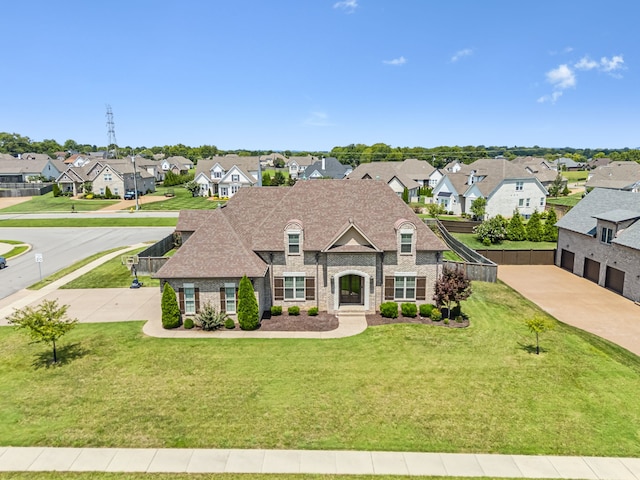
(39, 459)
(578, 302)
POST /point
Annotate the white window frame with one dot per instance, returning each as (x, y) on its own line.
(519, 186)
(217, 174)
(404, 286)
(230, 297)
(189, 293)
(294, 286)
(296, 245)
(606, 235)
(224, 192)
(234, 189)
(542, 201)
(404, 244)
(521, 202)
(107, 177)
(235, 177)
(528, 202)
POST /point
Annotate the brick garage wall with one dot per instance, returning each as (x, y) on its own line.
(616, 256)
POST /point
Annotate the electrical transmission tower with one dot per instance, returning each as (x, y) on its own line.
(111, 131)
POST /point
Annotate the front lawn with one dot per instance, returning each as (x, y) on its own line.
(575, 175)
(470, 240)
(49, 204)
(81, 221)
(182, 200)
(394, 387)
(570, 200)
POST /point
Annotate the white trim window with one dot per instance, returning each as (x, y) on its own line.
(189, 298)
(405, 287)
(294, 287)
(528, 202)
(230, 297)
(293, 243)
(234, 189)
(519, 186)
(217, 174)
(107, 177)
(406, 242)
(521, 202)
(224, 192)
(606, 235)
(542, 201)
(235, 178)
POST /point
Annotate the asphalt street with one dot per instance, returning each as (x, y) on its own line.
(61, 247)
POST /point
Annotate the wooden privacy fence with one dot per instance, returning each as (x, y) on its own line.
(24, 189)
(483, 272)
(459, 227)
(151, 259)
(520, 257)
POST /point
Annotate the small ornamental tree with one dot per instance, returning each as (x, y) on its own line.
(266, 179)
(45, 324)
(405, 195)
(193, 187)
(453, 286)
(56, 190)
(278, 179)
(539, 324)
(556, 186)
(107, 193)
(478, 208)
(550, 229)
(248, 315)
(170, 308)
(515, 228)
(534, 228)
(492, 230)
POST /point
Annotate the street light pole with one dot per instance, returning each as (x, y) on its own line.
(135, 180)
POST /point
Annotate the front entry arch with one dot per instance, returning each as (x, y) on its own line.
(351, 287)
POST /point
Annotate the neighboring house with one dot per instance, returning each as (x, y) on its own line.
(297, 165)
(545, 171)
(598, 162)
(420, 171)
(77, 160)
(177, 164)
(505, 186)
(14, 170)
(328, 167)
(599, 239)
(568, 164)
(224, 176)
(615, 175)
(268, 160)
(389, 173)
(117, 174)
(325, 244)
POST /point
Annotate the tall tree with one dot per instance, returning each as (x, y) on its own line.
(515, 228)
(534, 229)
(248, 314)
(550, 231)
(170, 308)
(478, 208)
(46, 323)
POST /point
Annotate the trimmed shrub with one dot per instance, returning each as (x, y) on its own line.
(276, 310)
(409, 309)
(459, 319)
(170, 308)
(313, 311)
(188, 323)
(446, 321)
(229, 323)
(248, 315)
(389, 309)
(56, 190)
(209, 318)
(294, 310)
(425, 309)
(436, 315)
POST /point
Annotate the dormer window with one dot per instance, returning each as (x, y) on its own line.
(519, 186)
(406, 242)
(606, 235)
(294, 243)
(217, 174)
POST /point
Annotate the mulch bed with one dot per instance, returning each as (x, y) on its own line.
(377, 319)
(323, 322)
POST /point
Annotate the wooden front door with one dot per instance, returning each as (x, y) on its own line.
(351, 290)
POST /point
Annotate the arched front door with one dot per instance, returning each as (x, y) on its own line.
(351, 290)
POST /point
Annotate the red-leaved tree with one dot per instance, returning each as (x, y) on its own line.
(453, 286)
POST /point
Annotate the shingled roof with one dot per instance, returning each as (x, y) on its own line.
(254, 220)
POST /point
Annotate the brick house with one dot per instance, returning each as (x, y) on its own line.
(599, 239)
(322, 244)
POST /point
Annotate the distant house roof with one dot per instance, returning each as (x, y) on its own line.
(609, 205)
(615, 175)
(385, 171)
(227, 162)
(332, 169)
(488, 174)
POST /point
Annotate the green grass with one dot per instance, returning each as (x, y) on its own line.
(15, 251)
(395, 387)
(111, 274)
(183, 200)
(570, 200)
(452, 256)
(91, 222)
(49, 203)
(272, 172)
(470, 240)
(71, 268)
(576, 176)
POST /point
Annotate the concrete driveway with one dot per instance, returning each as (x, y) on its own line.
(577, 302)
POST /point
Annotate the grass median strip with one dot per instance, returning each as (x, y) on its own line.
(92, 222)
(393, 387)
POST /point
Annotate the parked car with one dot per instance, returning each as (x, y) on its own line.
(131, 195)
(3, 262)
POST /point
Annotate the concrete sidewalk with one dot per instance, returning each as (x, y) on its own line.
(40, 459)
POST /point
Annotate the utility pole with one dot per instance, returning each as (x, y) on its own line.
(135, 180)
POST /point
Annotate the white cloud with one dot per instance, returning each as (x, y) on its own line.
(605, 64)
(318, 119)
(349, 6)
(586, 63)
(550, 98)
(396, 61)
(461, 53)
(561, 77)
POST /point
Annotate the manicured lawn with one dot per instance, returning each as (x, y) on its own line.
(471, 241)
(569, 200)
(272, 172)
(111, 274)
(451, 255)
(71, 268)
(576, 176)
(394, 387)
(92, 222)
(15, 251)
(49, 203)
(183, 200)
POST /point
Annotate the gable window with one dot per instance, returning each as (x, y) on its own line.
(294, 288)
(235, 178)
(519, 186)
(405, 288)
(217, 174)
(406, 242)
(606, 235)
(230, 297)
(294, 243)
(107, 177)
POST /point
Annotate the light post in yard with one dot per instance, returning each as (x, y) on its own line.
(135, 180)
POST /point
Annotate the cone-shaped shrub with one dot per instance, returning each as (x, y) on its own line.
(170, 308)
(248, 315)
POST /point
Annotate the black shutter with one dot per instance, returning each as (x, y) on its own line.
(181, 299)
(388, 288)
(421, 288)
(310, 288)
(197, 290)
(223, 303)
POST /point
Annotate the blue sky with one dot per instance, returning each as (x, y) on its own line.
(313, 74)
